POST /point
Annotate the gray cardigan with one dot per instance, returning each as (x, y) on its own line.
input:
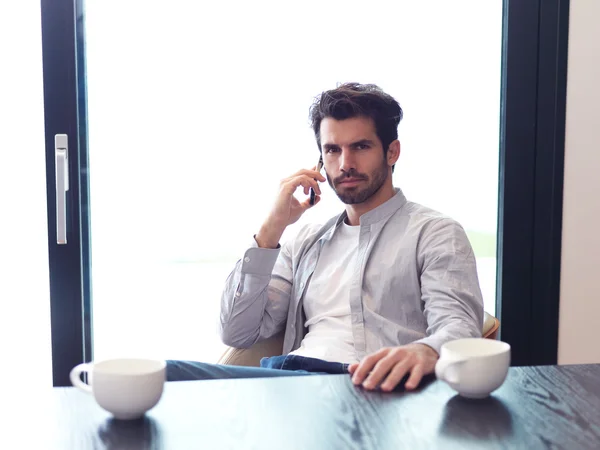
(415, 281)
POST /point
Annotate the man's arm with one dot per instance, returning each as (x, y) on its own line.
(453, 307)
(452, 299)
(256, 297)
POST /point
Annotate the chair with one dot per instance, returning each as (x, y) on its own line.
(491, 326)
(274, 346)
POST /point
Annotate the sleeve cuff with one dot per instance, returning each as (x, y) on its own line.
(432, 341)
(436, 340)
(259, 261)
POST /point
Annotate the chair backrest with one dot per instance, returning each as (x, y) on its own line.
(491, 326)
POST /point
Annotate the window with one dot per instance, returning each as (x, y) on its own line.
(196, 111)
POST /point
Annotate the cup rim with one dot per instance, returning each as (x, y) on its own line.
(97, 366)
(501, 347)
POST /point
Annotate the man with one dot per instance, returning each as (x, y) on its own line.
(374, 292)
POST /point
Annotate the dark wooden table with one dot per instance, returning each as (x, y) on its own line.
(537, 407)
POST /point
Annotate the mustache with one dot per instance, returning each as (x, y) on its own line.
(350, 174)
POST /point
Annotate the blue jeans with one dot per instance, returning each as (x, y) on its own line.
(276, 366)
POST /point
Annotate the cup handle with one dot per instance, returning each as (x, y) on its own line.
(75, 377)
(446, 370)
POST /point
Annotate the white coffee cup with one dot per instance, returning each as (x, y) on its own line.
(474, 367)
(126, 388)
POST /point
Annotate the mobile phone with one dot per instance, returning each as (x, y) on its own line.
(312, 191)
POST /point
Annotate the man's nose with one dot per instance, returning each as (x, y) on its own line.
(346, 160)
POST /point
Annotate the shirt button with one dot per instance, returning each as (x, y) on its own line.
(247, 259)
(301, 286)
(237, 294)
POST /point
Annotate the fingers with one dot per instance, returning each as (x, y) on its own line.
(387, 367)
(397, 373)
(416, 375)
(309, 173)
(366, 365)
(291, 184)
(306, 203)
(381, 369)
(316, 175)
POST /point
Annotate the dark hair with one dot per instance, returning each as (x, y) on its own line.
(354, 99)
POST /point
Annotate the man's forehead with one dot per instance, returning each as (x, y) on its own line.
(346, 131)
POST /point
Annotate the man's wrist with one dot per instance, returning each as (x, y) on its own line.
(267, 237)
(430, 350)
(262, 244)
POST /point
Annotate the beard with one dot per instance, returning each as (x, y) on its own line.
(362, 192)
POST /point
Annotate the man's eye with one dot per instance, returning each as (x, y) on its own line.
(332, 150)
(363, 146)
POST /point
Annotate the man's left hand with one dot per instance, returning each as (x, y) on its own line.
(388, 366)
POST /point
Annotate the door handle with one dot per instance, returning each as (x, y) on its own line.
(61, 161)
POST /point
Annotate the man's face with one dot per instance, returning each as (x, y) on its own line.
(353, 158)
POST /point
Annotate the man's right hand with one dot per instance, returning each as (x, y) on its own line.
(287, 209)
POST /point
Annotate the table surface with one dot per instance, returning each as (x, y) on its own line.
(537, 407)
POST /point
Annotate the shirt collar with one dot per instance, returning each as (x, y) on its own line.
(385, 210)
(382, 212)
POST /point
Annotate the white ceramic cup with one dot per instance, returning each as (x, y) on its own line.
(126, 388)
(474, 367)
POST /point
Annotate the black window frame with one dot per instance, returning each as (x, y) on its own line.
(530, 203)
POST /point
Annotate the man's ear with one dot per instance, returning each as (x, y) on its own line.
(393, 152)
